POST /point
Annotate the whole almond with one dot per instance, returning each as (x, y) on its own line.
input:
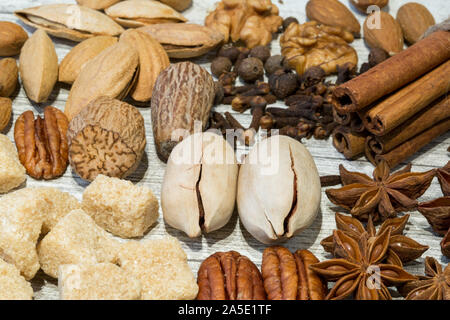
(38, 66)
(5, 112)
(414, 19)
(97, 4)
(12, 38)
(152, 60)
(111, 74)
(381, 30)
(8, 76)
(362, 5)
(179, 5)
(333, 13)
(74, 61)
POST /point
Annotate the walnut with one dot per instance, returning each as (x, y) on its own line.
(252, 21)
(106, 137)
(312, 44)
(42, 143)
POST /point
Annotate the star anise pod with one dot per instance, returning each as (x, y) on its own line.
(443, 175)
(383, 196)
(402, 249)
(445, 244)
(435, 285)
(437, 212)
(361, 272)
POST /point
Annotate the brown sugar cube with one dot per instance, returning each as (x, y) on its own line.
(12, 285)
(75, 239)
(102, 281)
(120, 207)
(161, 266)
(12, 173)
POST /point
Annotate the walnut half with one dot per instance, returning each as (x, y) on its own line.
(312, 44)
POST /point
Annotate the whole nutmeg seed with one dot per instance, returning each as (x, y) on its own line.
(260, 52)
(278, 189)
(200, 178)
(283, 84)
(220, 65)
(251, 69)
(274, 63)
(229, 51)
(288, 21)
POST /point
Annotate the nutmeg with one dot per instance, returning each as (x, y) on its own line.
(106, 137)
(251, 69)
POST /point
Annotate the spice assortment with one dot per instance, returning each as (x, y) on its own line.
(132, 55)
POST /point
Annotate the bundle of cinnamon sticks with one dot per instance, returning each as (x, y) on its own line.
(397, 107)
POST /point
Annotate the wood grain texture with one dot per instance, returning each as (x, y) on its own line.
(233, 236)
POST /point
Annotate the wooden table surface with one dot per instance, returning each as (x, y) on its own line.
(233, 236)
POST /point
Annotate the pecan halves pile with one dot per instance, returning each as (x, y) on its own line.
(229, 276)
(42, 143)
(287, 276)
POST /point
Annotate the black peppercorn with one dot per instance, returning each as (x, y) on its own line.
(251, 69)
(282, 83)
(376, 56)
(273, 64)
(260, 52)
(229, 51)
(220, 65)
(288, 21)
(312, 76)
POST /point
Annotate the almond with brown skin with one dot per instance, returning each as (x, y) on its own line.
(81, 54)
(38, 66)
(333, 13)
(97, 4)
(8, 76)
(381, 30)
(362, 5)
(179, 5)
(111, 73)
(414, 19)
(5, 112)
(152, 60)
(12, 38)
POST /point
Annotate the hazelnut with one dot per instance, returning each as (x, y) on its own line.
(251, 69)
(260, 52)
(274, 63)
(220, 65)
(288, 21)
(283, 84)
(230, 52)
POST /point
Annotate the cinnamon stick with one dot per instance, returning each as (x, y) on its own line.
(406, 102)
(343, 119)
(393, 73)
(350, 144)
(436, 112)
(408, 148)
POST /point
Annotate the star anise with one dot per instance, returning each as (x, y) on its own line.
(445, 244)
(402, 249)
(443, 175)
(437, 212)
(361, 272)
(434, 286)
(383, 196)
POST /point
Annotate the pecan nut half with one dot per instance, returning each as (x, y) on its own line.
(42, 143)
(229, 276)
(287, 276)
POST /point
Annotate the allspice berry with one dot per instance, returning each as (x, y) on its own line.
(288, 21)
(251, 69)
(273, 64)
(220, 65)
(260, 52)
(229, 51)
(376, 56)
(283, 84)
(312, 76)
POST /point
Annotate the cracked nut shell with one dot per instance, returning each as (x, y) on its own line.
(278, 189)
(106, 137)
(229, 276)
(199, 187)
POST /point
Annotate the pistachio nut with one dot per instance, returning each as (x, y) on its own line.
(199, 187)
(278, 189)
